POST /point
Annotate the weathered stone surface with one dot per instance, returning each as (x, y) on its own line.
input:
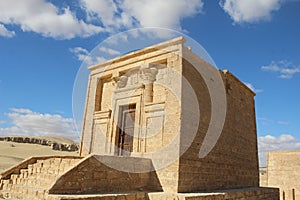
(32, 178)
(153, 81)
(139, 113)
(239, 194)
(283, 169)
(92, 176)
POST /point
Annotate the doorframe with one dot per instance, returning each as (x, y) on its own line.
(123, 97)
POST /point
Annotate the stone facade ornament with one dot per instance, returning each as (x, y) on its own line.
(121, 81)
(148, 74)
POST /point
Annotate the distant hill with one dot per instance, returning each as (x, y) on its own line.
(11, 153)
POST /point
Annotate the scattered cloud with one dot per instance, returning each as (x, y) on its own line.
(44, 18)
(144, 12)
(6, 33)
(249, 85)
(250, 11)
(109, 51)
(285, 69)
(140, 13)
(108, 12)
(119, 38)
(283, 122)
(28, 123)
(271, 143)
(102, 16)
(84, 56)
(266, 121)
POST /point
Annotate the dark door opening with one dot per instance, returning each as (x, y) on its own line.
(126, 129)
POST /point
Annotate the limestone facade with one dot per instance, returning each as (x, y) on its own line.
(147, 134)
(283, 171)
(147, 88)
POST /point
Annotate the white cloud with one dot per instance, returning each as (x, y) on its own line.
(21, 110)
(285, 69)
(6, 33)
(141, 13)
(249, 85)
(28, 123)
(116, 39)
(271, 143)
(45, 18)
(106, 11)
(266, 121)
(109, 51)
(250, 10)
(107, 16)
(283, 122)
(157, 13)
(84, 56)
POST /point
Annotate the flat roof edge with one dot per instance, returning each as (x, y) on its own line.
(174, 41)
(225, 71)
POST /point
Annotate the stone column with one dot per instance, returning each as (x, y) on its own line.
(148, 75)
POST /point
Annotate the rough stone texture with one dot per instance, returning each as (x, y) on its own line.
(107, 93)
(92, 176)
(32, 178)
(233, 162)
(283, 171)
(239, 194)
(263, 177)
(153, 82)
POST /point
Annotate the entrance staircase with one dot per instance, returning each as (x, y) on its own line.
(32, 178)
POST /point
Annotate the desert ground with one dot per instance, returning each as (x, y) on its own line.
(11, 153)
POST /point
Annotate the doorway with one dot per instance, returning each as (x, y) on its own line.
(126, 122)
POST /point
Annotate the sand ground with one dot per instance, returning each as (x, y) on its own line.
(12, 153)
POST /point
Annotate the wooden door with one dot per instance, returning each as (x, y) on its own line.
(126, 129)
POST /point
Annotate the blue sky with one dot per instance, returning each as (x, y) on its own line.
(43, 43)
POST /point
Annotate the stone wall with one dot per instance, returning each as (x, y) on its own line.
(233, 162)
(237, 194)
(241, 194)
(157, 114)
(283, 171)
(91, 176)
(263, 177)
(107, 92)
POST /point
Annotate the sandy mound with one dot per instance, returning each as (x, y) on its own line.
(12, 153)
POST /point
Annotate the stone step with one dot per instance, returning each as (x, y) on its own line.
(43, 183)
(23, 173)
(27, 192)
(53, 166)
(5, 184)
(15, 178)
(34, 182)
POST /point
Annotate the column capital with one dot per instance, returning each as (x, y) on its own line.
(121, 81)
(148, 72)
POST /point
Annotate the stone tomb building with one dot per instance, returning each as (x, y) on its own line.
(159, 123)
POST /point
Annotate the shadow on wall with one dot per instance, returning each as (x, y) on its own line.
(91, 176)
